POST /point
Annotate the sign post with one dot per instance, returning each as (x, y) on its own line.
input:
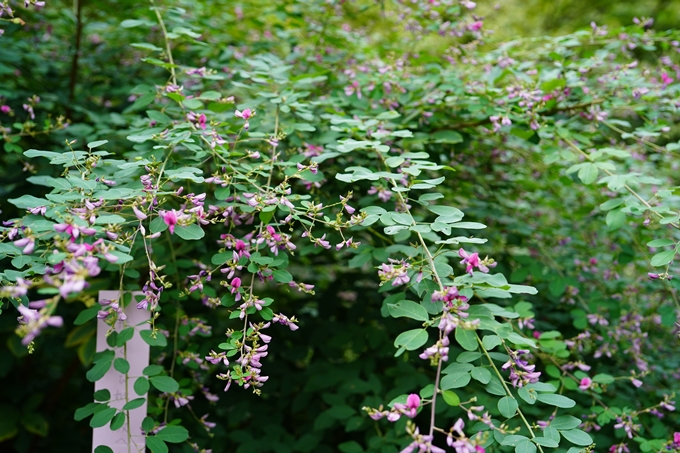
(136, 352)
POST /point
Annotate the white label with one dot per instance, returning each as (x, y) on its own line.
(137, 354)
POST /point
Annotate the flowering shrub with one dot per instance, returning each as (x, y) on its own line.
(280, 184)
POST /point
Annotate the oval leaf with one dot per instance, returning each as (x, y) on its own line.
(577, 437)
(411, 339)
(408, 309)
(507, 406)
(556, 400)
(164, 383)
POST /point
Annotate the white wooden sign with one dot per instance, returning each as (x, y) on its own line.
(137, 354)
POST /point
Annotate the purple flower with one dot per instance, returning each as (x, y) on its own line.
(32, 323)
(28, 245)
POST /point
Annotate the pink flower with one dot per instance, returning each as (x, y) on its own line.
(245, 114)
(676, 438)
(5, 109)
(410, 408)
(413, 403)
(665, 79)
(472, 260)
(476, 26)
(585, 383)
(170, 219)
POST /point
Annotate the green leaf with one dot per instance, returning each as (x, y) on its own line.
(158, 225)
(103, 449)
(519, 340)
(468, 356)
(611, 204)
(411, 339)
(447, 137)
(408, 309)
(663, 258)
(152, 370)
(451, 398)
(350, 447)
(103, 417)
(603, 378)
(156, 445)
(134, 404)
(282, 276)
(588, 173)
(556, 400)
(121, 365)
(28, 202)
(148, 424)
(455, 380)
(191, 232)
(525, 447)
(565, 422)
(527, 395)
(513, 440)
(35, 423)
(551, 433)
(102, 395)
(96, 144)
(141, 386)
(447, 211)
(109, 219)
(481, 374)
(660, 243)
(118, 421)
(160, 339)
(545, 442)
(173, 434)
(577, 437)
(491, 341)
(467, 339)
(615, 219)
(124, 336)
(165, 384)
(85, 411)
(507, 406)
(98, 370)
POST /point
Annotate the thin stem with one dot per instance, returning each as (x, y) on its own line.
(573, 146)
(437, 278)
(168, 51)
(507, 389)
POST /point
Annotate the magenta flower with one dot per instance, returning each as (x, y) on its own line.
(245, 114)
(472, 260)
(235, 285)
(5, 109)
(665, 79)
(585, 383)
(170, 219)
(410, 409)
